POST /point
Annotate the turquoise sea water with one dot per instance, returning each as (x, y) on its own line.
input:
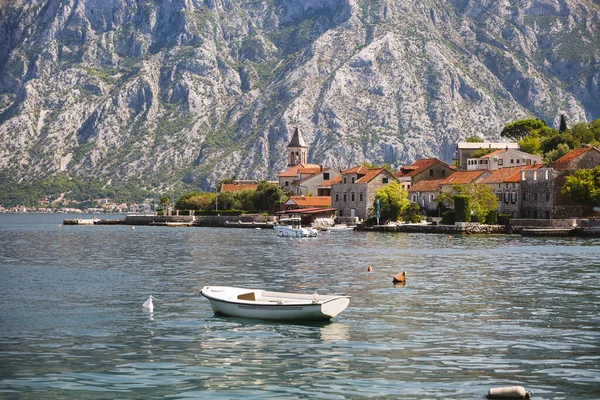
(476, 312)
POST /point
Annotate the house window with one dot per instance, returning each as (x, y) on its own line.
(512, 160)
(527, 162)
(524, 196)
(431, 197)
(287, 183)
(518, 161)
(500, 162)
(430, 172)
(352, 179)
(352, 196)
(535, 175)
(340, 213)
(546, 174)
(547, 214)
(547, 196)
(325, 176)
(522, 175)
(344, 179)
(535, 197)
(344, 197)
(384, 180)
(360, 197)
(337, 197)
(414, 198)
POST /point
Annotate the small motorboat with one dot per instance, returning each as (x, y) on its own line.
(262, 304)
(290, 227)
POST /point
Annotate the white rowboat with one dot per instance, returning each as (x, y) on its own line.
(262, 304)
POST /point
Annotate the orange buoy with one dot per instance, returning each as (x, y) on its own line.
(369, 269)
(401, 277)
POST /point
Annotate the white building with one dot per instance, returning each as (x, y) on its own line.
(503, 159)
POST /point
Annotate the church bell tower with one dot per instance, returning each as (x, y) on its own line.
(297, 149)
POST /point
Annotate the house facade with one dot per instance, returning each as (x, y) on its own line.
(505, 183)
(505, 158)
(424, 169)
(541, 188)
(355, 192)
(465, 149)
(424, 193)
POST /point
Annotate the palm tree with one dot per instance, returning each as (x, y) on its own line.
(164, 200)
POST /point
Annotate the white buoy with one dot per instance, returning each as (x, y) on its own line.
(509, 392)
(133, 228)
(148, 304)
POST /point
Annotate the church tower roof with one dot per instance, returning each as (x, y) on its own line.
(297, 139)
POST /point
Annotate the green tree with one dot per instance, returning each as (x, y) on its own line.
(268, 197)
(583, 187)
(164, 200)
(519, 129)
(582, 133)
(474, 139)
(594, 127)
(393, 201)
(531, 145)
(462, 208)
(483, 199)
(563, 124)
(195, 201)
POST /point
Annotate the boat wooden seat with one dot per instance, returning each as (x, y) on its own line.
(247, 296)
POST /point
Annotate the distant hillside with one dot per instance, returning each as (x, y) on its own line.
(165, 92)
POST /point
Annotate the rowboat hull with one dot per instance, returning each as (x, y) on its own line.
(260, 304)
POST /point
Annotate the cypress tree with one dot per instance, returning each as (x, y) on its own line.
(563, 124)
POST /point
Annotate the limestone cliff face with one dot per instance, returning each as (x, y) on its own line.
(165, 91)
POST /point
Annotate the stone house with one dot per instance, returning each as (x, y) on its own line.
(541, 188)
(504, 158)
(355, 193)
(505, 183)
(424, 194)
(423, 169)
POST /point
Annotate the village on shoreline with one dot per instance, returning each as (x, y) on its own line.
(528, 192)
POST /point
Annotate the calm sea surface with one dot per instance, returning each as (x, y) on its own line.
(476, 312)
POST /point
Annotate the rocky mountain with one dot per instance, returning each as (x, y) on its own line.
(171, 91)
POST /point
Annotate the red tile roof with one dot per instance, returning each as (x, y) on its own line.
(370, 175)
(330, 182)
(426, 186)
(463, 177)
(494, 153)
(296, 170)
(505, 175)
(360, 170)
(238, 187)
(563, 162)
(311, 201)
(418, 166)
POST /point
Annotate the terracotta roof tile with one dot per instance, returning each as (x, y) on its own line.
(419, 166)
(426, 186)
(563, 162)
(312, 201)
(505, 175)
(300, 169)
(330, 182)
(494, 153)
(238, 187)
(463, 177)
(370, 175)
